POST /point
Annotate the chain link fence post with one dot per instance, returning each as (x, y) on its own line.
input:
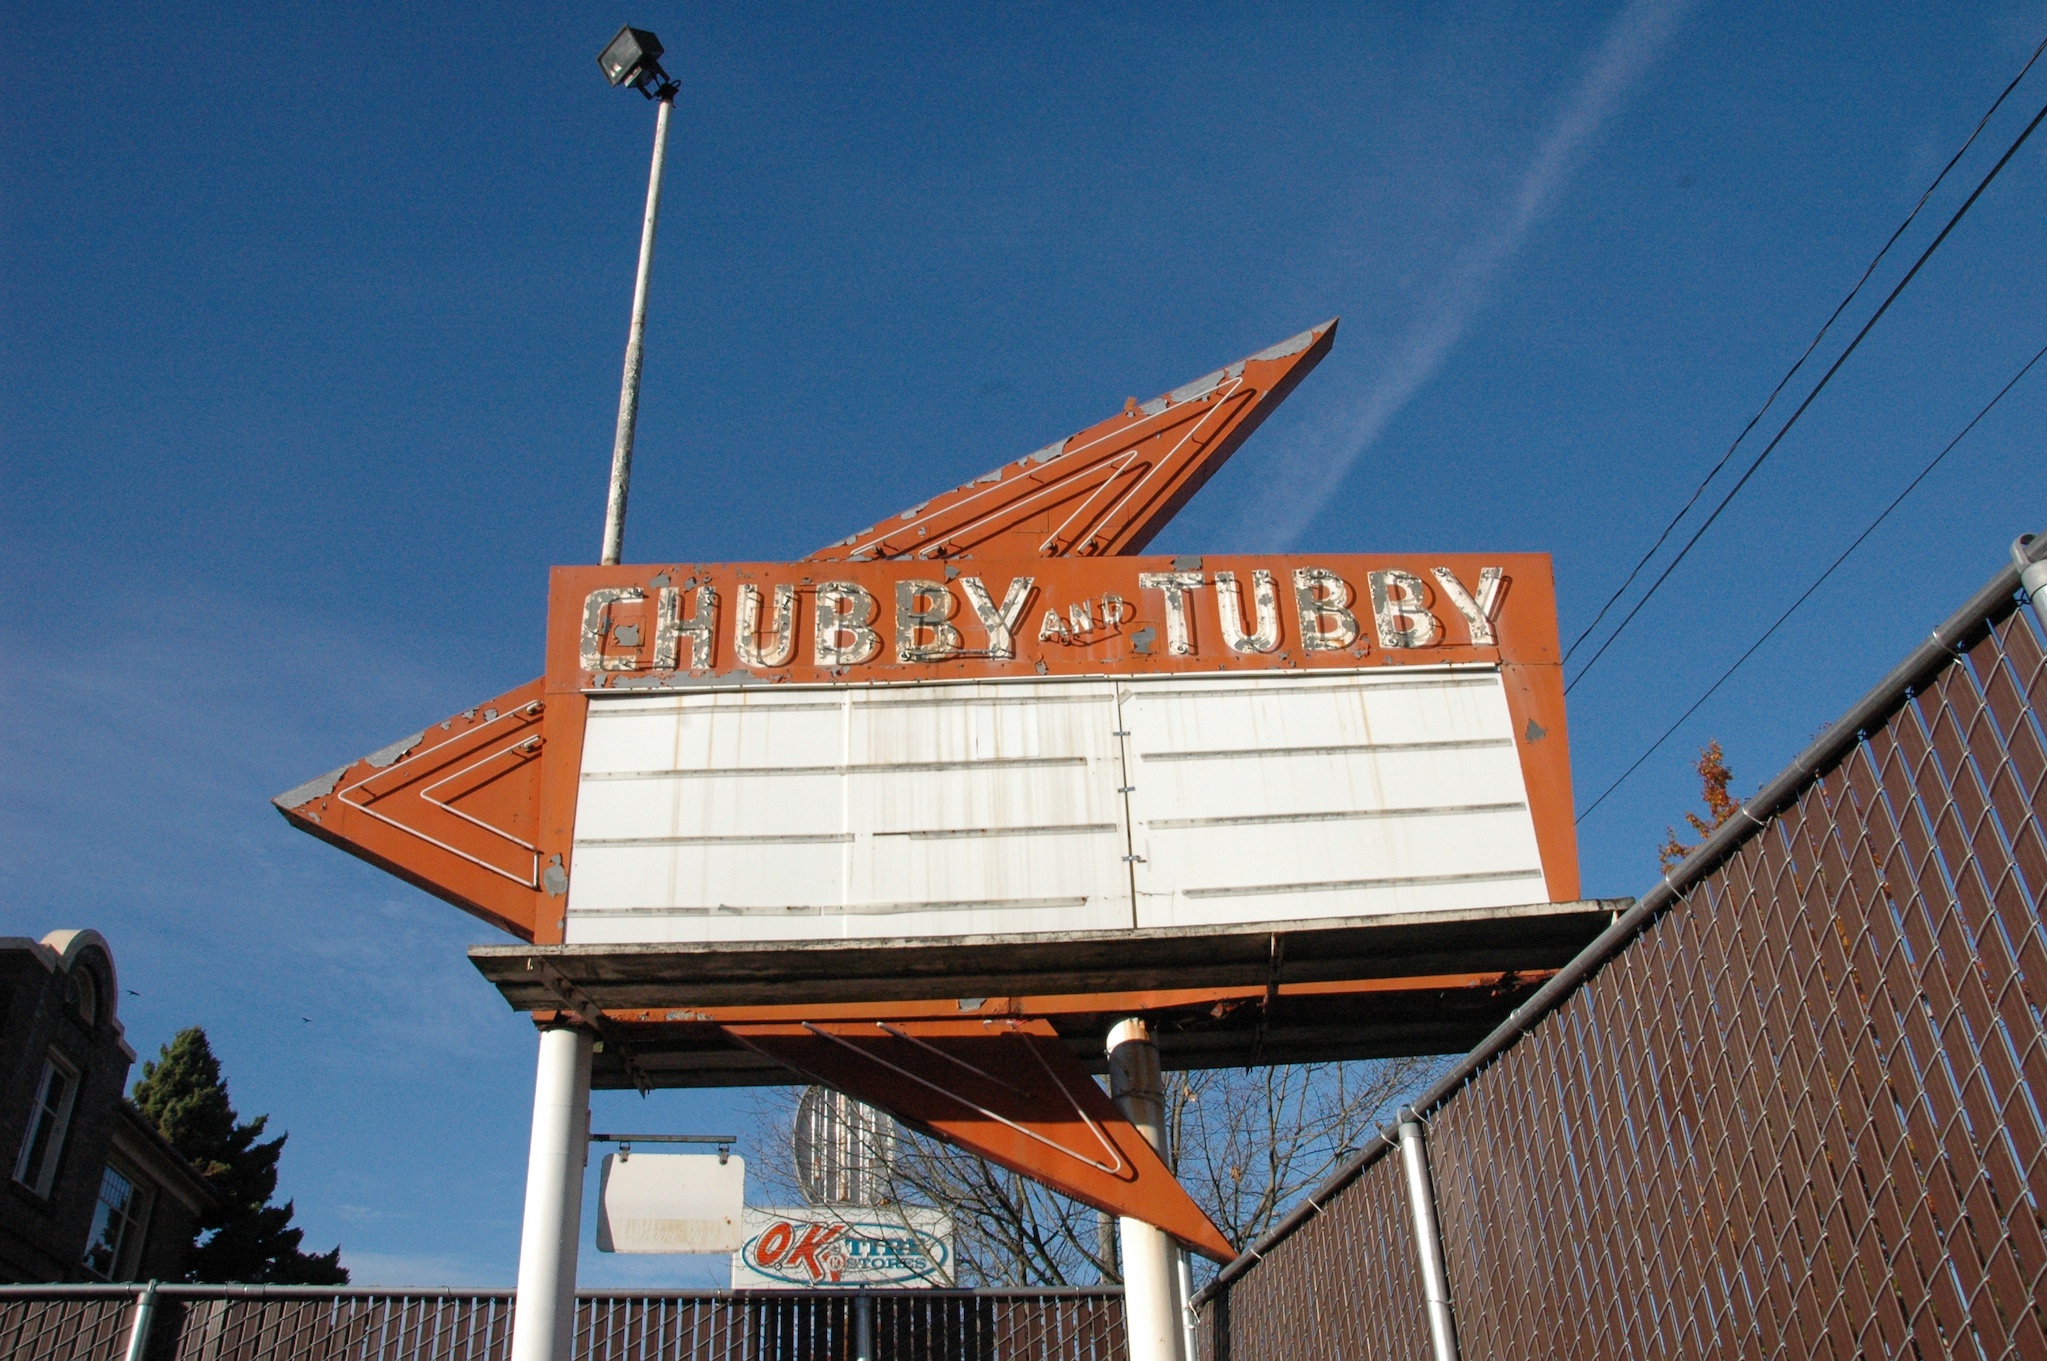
(138, 1331)
(1428, 1239)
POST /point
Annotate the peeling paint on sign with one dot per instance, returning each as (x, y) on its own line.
(318, 788)
(1174, 585)
(701, 628)
(923, 633)
(1264, 637)
(385, 756)
(782, 631)
(842, 628)
(999, 621)
(1400, 605)
(1478, 613)
(1323, 599)
(597, 622)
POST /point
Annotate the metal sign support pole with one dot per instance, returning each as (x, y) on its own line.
(1428, 1240)
(629, 388)
(1154, 1310)
(138, 1330)
(544, 1316)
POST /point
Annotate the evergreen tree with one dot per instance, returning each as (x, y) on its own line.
(247, 1239)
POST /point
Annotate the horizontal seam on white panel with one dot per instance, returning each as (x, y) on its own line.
(680, 705)
(989, 702)
(1349, 685)
(1333, 749)
(1055, 829)
(905, 767)
(1341, 885)
(850, 910)
(1278, 819)
(736, 839)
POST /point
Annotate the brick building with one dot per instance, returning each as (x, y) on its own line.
(92, 1191)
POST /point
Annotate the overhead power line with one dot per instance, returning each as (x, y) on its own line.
(1896, 501)
(1791, 372)
(1817, 388)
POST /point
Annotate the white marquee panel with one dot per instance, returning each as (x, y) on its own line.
(1003, 806)
(1305, 797)
(771, 814)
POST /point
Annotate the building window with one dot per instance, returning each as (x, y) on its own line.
(88, 996)
(116, 1221)
(36, 1167)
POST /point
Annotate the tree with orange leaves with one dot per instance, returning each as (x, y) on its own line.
(1714, 777)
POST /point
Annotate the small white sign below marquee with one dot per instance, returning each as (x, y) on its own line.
(671, 1202)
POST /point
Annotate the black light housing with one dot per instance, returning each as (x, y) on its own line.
(633, 58)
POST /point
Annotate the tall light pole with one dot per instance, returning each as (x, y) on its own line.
(633, 58)
(544, 1316)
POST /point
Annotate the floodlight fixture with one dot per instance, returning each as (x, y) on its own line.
(634, 58)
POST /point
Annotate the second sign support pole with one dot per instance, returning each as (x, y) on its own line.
(1154, 1309)
(544, 1315)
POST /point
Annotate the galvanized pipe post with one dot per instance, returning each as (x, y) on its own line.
(1190, 1341)
(544, 1313)
(863, 1327)
(629, 388)
(138, 1329)
(1154, 1309)
(1428, 1240)
(2029, 555)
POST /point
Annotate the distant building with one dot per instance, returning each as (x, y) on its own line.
(92, 1191)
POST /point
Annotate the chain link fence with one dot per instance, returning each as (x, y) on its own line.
(1794, 1104)
(258, 1323)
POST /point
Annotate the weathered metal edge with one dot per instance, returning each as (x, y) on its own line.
(946, 959)
(920, 944)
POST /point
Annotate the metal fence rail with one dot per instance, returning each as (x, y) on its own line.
(275, 1323)
(1794, 1104)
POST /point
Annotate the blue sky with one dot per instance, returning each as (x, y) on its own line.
(310, 324)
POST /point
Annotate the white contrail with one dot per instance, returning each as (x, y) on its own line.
(1632, 44)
